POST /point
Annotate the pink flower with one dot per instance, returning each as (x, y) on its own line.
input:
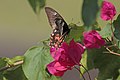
(56, 68)
(65, 57)
(108, 11)
(92, 39)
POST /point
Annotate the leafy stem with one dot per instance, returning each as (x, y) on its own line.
(10, 66)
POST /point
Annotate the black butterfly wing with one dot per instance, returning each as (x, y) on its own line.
(56, 21)
(52, 15)
(60, 27)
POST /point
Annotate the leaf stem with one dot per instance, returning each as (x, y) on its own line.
(9, 66)
(80, 72)
(87, 72)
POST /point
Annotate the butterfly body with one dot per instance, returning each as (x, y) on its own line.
(60, 27)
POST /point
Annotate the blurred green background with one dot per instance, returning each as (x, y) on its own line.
(21, 28)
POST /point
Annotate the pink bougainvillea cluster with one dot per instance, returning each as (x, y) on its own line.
(108, 11)
(65, 57)
(68, 55)
(92, 39)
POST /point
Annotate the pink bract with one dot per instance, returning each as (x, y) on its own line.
(56, 68)
(92, 39)
(65, 57)
(108, 11)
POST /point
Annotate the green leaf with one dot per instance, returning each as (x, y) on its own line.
(106, 31)
(37, 5)
(35, 62)
(17, 58)
(2, 64)
(89, 11)
(96, 26)
(84, 62)
(76, 33)
(15, 74)
(11, 61)
(116, 24)
(118, 76)
(107, 63)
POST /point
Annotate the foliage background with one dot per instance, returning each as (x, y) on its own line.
(21, 28)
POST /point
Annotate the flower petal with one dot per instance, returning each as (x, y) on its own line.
(108, 10)
(75, 52)
(56, 69)
(92, 39)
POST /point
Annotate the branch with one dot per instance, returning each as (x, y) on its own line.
(80, 72)
(112, 52)
(87, 72)
(10, 66)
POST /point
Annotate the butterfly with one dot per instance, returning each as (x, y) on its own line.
(59, 26)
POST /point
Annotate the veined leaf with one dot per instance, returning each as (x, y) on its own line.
(106, 31)
(35, 62)
(76, 33)
(107, 63)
